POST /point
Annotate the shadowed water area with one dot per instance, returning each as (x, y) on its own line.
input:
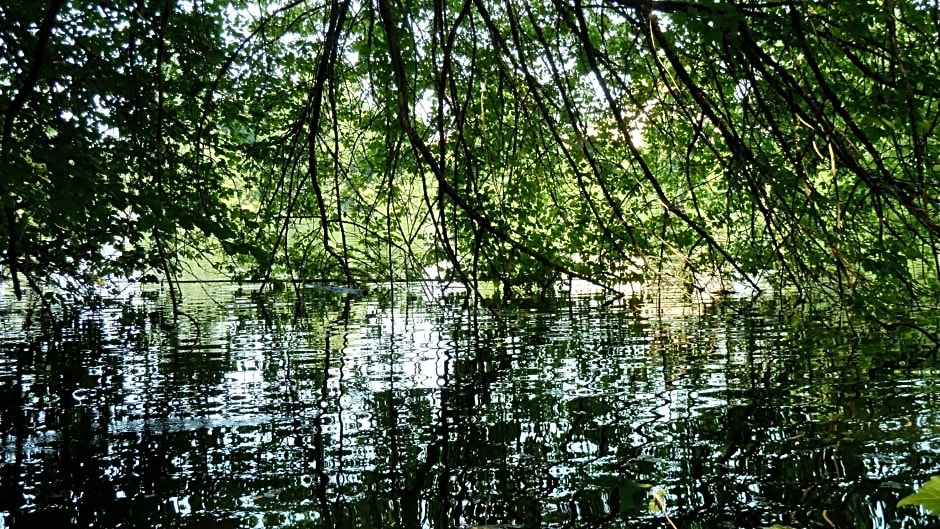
(404, 412)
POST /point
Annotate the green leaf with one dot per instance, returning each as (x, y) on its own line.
(657, 500)
(927, 497)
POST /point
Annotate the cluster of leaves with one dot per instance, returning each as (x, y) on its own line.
(515, 142)
(109, 164)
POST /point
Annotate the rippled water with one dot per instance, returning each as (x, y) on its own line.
(397, 412)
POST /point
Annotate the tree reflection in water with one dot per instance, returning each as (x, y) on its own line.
(376, 414)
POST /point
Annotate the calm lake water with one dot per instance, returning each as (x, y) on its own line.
(400, 412)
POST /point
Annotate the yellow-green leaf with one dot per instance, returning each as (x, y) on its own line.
(927, 497)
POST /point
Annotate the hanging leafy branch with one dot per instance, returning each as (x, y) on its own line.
(13, 259)
(771, 143)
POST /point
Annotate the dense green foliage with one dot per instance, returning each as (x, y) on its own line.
(780, 144)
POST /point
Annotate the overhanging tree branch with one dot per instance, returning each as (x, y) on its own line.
(404, 116)
(10, 115)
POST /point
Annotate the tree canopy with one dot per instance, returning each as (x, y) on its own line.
(789, 145)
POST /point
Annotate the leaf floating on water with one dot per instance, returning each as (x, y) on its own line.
(927, 497)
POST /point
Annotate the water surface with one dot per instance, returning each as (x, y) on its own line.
(397, 411)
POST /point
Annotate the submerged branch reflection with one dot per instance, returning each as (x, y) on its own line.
(365, 414)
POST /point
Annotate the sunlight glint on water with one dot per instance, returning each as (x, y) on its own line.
(405, 414)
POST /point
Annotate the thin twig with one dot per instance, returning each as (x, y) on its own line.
(662, 505)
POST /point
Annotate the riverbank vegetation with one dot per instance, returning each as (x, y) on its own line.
(766, 146)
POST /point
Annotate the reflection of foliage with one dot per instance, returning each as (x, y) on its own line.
(428, 417)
